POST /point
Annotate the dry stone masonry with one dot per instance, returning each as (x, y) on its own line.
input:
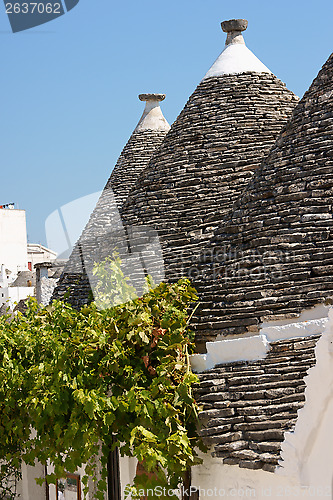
(248, 406)
(145, 140)
(240, 193)
(273, 254)
(208, 158)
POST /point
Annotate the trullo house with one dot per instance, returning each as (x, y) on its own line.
(239, 193)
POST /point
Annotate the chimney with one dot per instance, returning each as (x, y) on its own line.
(42, 271)
(234, 28)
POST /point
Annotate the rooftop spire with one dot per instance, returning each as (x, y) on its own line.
(152, 118)
(236, 58)
(234, 28)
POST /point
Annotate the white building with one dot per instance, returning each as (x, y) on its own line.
(38, 253)
(18, 258)
(13, 242)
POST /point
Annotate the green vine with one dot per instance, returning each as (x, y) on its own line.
(104, 376)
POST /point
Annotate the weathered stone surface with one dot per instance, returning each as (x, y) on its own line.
(245, 455)
(206, 161)
(266, 435)
(255, 440)
(278, 235)
(151, 97)
(105, 218)
(213, 414)
(229, 461)
(269, 467)
(233, 446)
(250, 464)
(253, 426)
(228, 437)
(273, 446)
(234, 25)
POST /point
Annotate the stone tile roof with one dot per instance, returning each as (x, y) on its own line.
(24, 278)
(5, 309)
(248, 406)
(133, 159)
(144, 141)
(208, 158)
(273, 255)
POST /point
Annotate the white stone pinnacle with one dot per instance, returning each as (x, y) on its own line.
(152, 117)
(236, 58)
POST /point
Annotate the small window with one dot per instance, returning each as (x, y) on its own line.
(69, 488)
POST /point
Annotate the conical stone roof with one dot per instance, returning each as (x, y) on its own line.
(211, 153)
(146, 138)
(273, 258)
(144, 141)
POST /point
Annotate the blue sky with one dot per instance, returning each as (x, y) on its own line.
(69, 88)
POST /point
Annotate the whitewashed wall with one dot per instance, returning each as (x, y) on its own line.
(13, 240)
(13, 294)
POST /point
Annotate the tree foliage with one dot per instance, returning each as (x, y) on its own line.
(72, 382)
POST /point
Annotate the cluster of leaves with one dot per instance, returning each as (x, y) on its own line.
(71, 380)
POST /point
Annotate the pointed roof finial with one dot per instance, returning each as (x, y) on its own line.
(152, 97)
(152, 118)
(236, 58)
(234, 28)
